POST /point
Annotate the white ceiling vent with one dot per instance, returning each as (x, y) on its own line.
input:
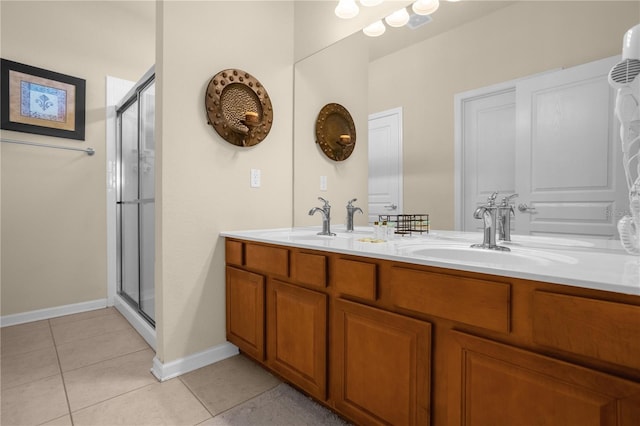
(416, 21)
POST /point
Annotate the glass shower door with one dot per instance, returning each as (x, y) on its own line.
(136, 200)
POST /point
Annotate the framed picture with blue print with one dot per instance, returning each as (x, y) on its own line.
(35, 100)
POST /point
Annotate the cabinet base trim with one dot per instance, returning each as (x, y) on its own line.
(169, 370)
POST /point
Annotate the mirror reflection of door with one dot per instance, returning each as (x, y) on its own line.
(551, 139)
(489, 150)
(385, 163)
(568, 157)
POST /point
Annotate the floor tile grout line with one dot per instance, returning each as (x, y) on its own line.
(128, 327)
(230, 408)
(113, 397)
(195, 396)
(71, 321)
(64, 385)
(107, 359)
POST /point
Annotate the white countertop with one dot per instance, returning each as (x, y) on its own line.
(588, 263)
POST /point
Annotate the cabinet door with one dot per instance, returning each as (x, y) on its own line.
(496, 384)
(381, 365)
(297, 336)
(245, 311)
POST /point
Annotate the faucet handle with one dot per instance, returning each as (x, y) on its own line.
(491, 201)
(505, 200)
(326, 202)
(350, 203)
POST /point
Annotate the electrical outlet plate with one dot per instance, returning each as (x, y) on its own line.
(255, 178)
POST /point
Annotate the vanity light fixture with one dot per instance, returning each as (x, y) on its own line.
(398, 18)
(425, 7)
(347, 9)
(370, 3)
(374, 30)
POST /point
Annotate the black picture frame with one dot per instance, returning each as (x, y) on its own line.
(39, 101)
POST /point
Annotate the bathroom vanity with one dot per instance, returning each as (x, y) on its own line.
(423, 330)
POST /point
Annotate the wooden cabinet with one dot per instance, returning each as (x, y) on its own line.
(245, 311)
(598, 329)
(381, 365)
(496, 384)
(391, 343)
(297, 336)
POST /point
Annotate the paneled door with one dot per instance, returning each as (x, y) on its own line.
(568, 158)
(489, 150)
(385, 163)
(553, 140)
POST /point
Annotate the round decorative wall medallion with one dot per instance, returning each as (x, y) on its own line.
(335, 132)
(238, 107)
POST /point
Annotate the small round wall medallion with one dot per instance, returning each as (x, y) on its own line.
(335, 132)
(238, 107)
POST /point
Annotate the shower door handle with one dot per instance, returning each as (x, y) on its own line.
(140, 201)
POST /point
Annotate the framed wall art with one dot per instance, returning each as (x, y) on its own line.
(35, 100)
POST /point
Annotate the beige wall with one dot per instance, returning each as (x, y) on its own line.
(321, 79)
(203, 185)
(53, 201)
(519, 40)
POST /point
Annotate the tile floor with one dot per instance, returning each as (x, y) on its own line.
(93, 369)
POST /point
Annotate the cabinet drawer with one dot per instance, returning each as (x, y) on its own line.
(607, 331)
(476, 302)
(307, 268)
(270, 260)
(233, 252)
(355, 278)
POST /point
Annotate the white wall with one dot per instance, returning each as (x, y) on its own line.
(203, 185)
(53, 201)
(516, 41)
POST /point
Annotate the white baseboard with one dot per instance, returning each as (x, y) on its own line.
(143, 328)
(189, 363)
(58, 311)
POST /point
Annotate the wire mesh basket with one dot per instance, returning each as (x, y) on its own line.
(406, 224)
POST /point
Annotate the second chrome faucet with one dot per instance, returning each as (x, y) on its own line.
(325, 211)
(350, 212)
(495, 217)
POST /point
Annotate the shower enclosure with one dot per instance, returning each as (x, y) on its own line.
(135, 199)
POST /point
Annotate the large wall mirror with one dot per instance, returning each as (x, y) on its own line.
(467, 45)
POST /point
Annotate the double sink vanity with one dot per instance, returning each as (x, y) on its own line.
(423, 329)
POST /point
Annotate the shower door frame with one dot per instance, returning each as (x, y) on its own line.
(131, 98)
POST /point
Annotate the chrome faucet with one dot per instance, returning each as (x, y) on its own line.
(487, 214)
(505, 211)
(350, 212)
(326, 216)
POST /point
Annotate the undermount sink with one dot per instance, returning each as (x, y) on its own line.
(303, 235)
(485, 257)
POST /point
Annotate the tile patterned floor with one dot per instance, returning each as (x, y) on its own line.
(93, 369)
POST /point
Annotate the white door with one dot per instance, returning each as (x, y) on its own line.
(568, 161)
(488, 147)
(385, 163)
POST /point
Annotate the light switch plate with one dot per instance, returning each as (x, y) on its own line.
(323, 183)
(255, 178)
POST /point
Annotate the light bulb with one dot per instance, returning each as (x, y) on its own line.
(374, 30)
(369, 3)
(398, 18)
(346, 9)
(425, 7)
